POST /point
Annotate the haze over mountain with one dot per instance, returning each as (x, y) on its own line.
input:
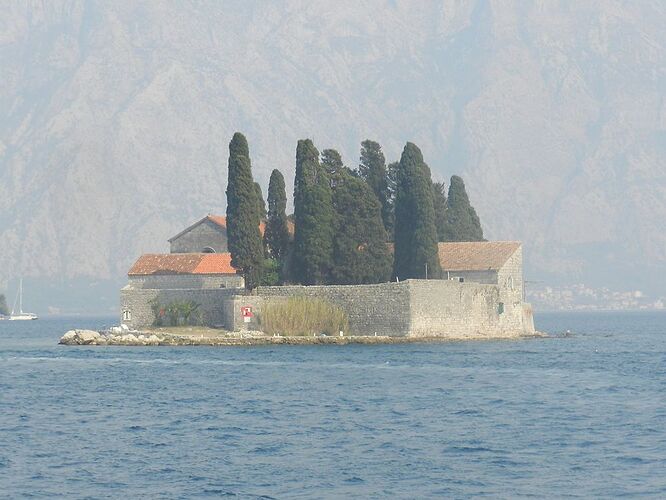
(115, 119)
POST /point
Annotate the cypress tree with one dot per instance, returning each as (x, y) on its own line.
(244, 238)
(360, 251)
(392, 183)
(331, 162)
(276, 236)
(372, 169)
(439, 204)
(415, 231)
(261, 204)
(461, 221)
(314, 217)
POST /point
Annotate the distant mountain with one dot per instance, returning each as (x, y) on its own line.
(115, 119)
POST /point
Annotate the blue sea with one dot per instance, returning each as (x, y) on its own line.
(569, 416)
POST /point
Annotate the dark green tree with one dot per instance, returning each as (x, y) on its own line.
(4, 310)
(276, 236)
(360, 253)
(244, 238)
(439, 204)
(314, 217)
(372, 169)
(271, 274)
(461, 221)
(392, 183)
(331, 162)
(415, 232)
(260, 201)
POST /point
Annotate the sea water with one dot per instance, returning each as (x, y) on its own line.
(578, 415)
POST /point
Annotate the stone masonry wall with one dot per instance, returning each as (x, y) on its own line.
(488, 277)
(449, 309)
(510, 281)
(381, 308)
(419, 308)
(207, 234)
(138, 303)
(186, 281)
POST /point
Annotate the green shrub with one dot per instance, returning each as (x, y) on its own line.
(176, 313)
(271, 275)
(303, 316)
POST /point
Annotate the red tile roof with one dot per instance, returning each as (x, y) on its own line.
(182, 263)
(476, 255)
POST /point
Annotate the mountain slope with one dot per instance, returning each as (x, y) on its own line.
(115, 120)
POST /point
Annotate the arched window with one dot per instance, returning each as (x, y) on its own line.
(509, 283)
(208, 250)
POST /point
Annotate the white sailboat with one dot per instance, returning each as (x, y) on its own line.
(20, 316)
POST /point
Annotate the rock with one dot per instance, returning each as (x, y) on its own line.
(129, 339)
(153, 340)
(68, 338)
(87, 337)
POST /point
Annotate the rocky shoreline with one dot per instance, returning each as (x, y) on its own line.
(124, 337)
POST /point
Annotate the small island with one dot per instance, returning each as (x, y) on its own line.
(377, 254)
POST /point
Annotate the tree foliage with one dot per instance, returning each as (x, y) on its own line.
(461, 221)
(4, 310)
(276, 236)
(439, 205)
(360, 253)
(331, 162)
(415, 231)
(314, 216)
(372, 169)
(261, 204)
(243, 217)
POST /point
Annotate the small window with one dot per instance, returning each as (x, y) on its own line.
(500, 308)
(510, 283)
(208, 250)
(127, 315)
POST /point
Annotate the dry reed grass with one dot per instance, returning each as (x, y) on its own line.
(303, 316)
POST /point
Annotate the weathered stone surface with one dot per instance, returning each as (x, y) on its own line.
(410, 308)
(80, 337)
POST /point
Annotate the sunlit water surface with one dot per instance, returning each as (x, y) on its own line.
(583, 415)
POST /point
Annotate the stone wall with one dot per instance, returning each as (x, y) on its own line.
(421, 308)
(488, 277)
(458, 310)
(381, 308)
(187, 281)
(205, 235)
(138, 303)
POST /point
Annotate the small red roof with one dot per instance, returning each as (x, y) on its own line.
(182, 263)
(476, 255)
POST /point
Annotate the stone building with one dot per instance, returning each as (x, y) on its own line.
(480, 295)
(208, 235)
(184, 270)
(498, 263)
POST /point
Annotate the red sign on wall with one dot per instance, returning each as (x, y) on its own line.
(246, 311)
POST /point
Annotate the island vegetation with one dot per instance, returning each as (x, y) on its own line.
(367, 224)
(303, 316)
